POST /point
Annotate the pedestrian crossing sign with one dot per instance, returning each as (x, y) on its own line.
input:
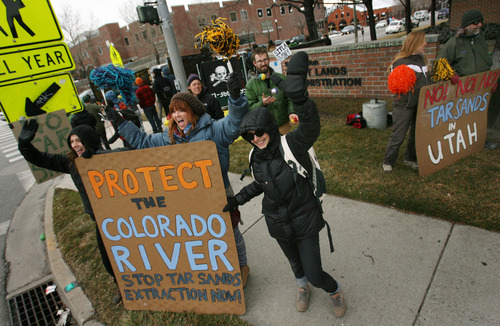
(27, 22)
(116, 59)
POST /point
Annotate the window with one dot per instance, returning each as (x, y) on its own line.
(200, 20)
(99, 50)
(342, 14)
(137, 38)
(347, 15)
(269, 12)
(267, 26)
(145, 35)
(244, 15)
(85, 54)
(126, 41)
(153, 33)
(247, 38)
(282, 10)
(336, 16)
(233, 16)
(260, 13)
(290, 9)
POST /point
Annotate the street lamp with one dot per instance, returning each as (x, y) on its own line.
(277, 30)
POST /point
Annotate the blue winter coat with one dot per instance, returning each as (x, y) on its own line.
(222, 132)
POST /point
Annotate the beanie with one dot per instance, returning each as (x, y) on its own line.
(88, 137)
(193, 102)
(471, 16)
(86, 99)
(138, 81)
(192, 78)
(110, 96)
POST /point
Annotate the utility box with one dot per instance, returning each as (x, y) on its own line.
(375, 114)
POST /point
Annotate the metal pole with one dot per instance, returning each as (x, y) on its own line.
(355, 23)
(173, 50)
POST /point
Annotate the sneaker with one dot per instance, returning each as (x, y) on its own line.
(245, 271)
(117, 297)
(387, 168)
(411, 164)
(303, 298)
(338, 304)
(490, 145)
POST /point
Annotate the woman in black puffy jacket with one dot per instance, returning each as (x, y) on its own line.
(292, 212)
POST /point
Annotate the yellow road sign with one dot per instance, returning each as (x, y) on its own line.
(30, 62)
(38, 96)
(116, 59)
(26, 22)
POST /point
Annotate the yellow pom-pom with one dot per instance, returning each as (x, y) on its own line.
(220, 37)
(442, 70)
(263, 76)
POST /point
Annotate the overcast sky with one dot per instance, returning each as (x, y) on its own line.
(108, 11)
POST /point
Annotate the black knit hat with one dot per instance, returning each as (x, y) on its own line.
(87, 135)
(471, 16)
(193, 77)
(193, 102)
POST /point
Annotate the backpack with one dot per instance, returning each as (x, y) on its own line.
(316, 178)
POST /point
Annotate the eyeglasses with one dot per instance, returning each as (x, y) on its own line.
(477, 22)
(262, 61)
(249, 135)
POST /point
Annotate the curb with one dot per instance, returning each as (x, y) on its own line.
(80, 306)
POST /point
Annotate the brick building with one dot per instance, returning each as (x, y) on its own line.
(342, 16)
(254, 21)
(489, 8)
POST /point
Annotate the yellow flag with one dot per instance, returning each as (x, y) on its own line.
(116, 59)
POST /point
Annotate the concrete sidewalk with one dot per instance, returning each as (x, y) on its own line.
(394, 268)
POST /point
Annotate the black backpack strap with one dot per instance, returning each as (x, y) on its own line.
(329, 236)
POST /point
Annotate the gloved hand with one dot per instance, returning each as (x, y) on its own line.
(234, 86)
(232, 204)
(88, 153)
(116, 118)
(295, 85)
(28, 132)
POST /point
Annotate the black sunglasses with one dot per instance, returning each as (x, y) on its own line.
(248, 136)
(477, 22)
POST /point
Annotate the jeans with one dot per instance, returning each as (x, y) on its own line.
(305, 259)
(153, 118)
(403, 119)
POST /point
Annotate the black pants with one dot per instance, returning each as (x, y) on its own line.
(305, 259)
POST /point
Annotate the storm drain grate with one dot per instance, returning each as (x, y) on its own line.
(33, 307)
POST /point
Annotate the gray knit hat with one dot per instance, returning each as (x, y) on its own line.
(471, 16)
(195, 104)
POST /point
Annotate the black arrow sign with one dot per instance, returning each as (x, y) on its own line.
(33, 109)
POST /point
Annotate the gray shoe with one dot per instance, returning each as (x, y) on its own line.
(387, 168)
(303, 298)
(413, 165)
(338, 304)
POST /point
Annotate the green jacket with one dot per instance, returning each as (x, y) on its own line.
(467, 55)
(280, 109)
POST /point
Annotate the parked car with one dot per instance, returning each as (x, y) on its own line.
(395, 26)
(298, 39)
(381, 24)
(421, 15)
(334, 33)
(414, 22)
(348, 29)
(443, 13)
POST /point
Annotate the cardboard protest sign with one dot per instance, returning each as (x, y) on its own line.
(451, 120)
(51, 137)
(159, 211)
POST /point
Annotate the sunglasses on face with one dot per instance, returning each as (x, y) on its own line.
(248, 136)
(477, 22)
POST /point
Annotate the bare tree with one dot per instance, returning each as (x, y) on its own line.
(128, 10)
(305, 7)
(75, 36)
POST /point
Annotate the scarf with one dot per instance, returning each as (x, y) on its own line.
(187, 134)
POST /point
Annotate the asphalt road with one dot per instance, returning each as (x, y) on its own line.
(15, 181)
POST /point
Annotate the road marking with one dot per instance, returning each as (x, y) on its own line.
(4, 227)
(12, 160)
(26, 179)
